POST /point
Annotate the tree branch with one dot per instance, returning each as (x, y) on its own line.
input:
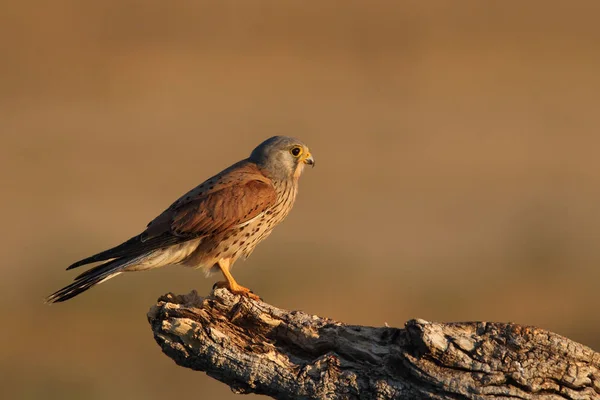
(257, 348)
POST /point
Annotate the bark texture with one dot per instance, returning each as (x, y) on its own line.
(256, 348)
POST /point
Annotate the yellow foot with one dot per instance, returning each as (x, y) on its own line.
(236, 289)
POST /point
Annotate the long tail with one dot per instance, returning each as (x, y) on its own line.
(91, 278)
(136, 246)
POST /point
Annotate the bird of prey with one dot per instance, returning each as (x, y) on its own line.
(212, 225)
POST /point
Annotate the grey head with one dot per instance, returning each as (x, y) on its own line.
(282, 157)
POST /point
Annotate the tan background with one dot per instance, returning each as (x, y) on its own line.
(457, 168)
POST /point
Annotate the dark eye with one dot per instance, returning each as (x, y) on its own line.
(296, 151)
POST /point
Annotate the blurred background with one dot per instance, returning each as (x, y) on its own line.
(457, 168)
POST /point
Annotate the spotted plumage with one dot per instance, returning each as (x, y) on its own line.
(212, 225)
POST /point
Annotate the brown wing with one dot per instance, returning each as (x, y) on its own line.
(231, 198)
(223, 209)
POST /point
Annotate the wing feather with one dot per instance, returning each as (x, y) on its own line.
(231, 198)
(223, 209)
(226, 200)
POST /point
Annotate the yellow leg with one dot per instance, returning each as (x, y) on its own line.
(230, 283)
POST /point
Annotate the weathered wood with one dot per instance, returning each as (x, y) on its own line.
(256, 348)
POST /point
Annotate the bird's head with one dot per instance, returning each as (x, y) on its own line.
(282, 157)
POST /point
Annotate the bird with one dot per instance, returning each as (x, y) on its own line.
(211, 226)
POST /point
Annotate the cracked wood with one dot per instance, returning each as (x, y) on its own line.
(257, 348)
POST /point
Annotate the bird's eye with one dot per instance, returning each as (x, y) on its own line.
(296, 151)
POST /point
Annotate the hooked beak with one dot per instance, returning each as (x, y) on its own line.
(308, 159)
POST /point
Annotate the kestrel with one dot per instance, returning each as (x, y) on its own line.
(212, 225)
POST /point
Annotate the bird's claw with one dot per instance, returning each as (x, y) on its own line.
(237, 289)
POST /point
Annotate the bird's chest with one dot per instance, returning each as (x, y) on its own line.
(257, 232)
(241, 241)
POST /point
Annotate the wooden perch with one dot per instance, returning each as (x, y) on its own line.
(256, 348)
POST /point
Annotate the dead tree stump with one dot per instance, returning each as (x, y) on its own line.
(256, 348)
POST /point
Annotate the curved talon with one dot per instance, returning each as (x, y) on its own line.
(236, 289)
(251, 295)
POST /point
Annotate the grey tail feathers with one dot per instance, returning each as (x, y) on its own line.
(136, 246)
(91, 278)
